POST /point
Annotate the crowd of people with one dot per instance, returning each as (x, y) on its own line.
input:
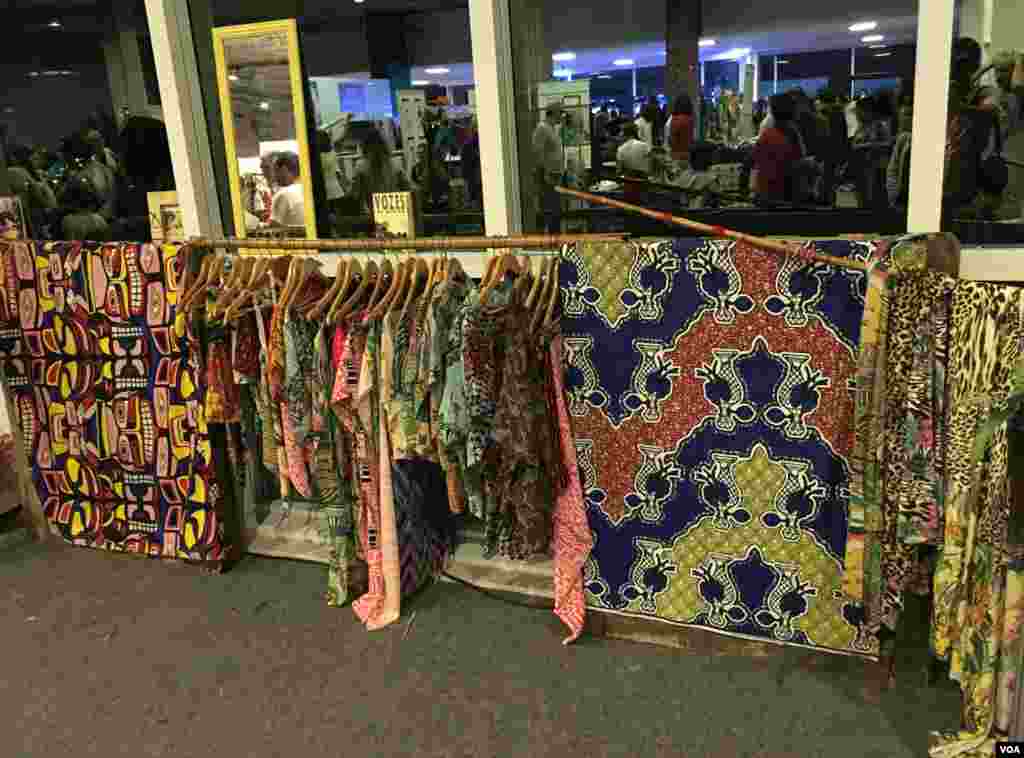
(94, 185)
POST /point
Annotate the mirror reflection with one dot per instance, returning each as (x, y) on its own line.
(266, 141)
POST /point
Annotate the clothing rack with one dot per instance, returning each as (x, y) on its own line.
(418, 246)
(715, 231)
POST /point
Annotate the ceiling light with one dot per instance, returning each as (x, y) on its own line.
(563, 57)
(420, 83)
(707, 43)
(359, 2)
(736, 52)
(55, 24)
(605, 76)
(264, 106)
(9, 109)
(622, 62)
(864, 26)
(873, 38)
(562, 72)
(232, 77)
(33, 73)
(781, 62)
(878, 47)
(435, 70)
(882, 55)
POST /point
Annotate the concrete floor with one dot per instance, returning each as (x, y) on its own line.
(108, 656)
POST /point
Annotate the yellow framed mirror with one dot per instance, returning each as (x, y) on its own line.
(262, 105)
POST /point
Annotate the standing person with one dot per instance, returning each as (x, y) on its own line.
(645, 124)
(549, 158)
(601, 120)
(471, 171)
(660, 119)
(267, 161)
(288, 207)
(101, 169)
(634, 155)
(776, 151)
(679, 131)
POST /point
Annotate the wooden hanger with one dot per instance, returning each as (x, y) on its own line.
(238, 278)
(385, 277)
(420, 273)
(540, 304)
(368, 277)
(506, 263)
(556, 291)
(213, 275)
(397, 283)
(524, 283)
(248, 289)
(538, 280)
(341, 279)
(199, 282)
(434, 277)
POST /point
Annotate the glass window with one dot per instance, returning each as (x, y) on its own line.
(80, 120)
(983, 191)
(389, 103)
(678, 102)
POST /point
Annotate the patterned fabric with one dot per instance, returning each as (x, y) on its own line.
(419, 486)
(711, 394)
(863, 549)
(522, 455)
(572, 538)
(410, 432)
(977, 596)
(105, 377)
(10, 488)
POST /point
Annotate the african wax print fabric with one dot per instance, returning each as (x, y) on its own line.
(10, 491)
(107, 381)
(710, 388)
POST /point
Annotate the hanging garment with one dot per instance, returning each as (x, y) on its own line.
(10, 488)
(572, 538)
(978, 597)
(105, 375)
(709, 386)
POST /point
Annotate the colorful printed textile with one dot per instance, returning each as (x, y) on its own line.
(106, 381)
(710, 387)
(866, 496)
(572, 538)
(978, 598)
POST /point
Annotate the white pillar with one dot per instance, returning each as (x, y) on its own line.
(496, 115)
(931, 95)
(171, 31)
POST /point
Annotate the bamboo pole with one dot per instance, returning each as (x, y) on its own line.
(420, 244)
(716, 231)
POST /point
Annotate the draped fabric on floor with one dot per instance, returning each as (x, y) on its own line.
(107, 390)
(711, 389)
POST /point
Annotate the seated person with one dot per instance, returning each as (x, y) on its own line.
(634, 155)
(775, 154)
(702, 186)
(83, 220)
(289, 204)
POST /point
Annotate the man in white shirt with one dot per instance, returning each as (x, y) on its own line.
(550, 160)
(634, 155)
(288, 207)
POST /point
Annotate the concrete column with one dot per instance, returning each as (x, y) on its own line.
(124, 63)
(682, 34)
(531, 58)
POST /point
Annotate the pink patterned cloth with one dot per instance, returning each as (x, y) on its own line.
(572, 538)
(296, 455)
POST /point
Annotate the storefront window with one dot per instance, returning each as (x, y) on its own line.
(389, 104)
(838, 154)
(983, 191)
(80, 120)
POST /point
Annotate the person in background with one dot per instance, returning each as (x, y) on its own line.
(634, 155)
(660, 117)
(471, 171)
(836, 144)
(679, 131)
(329, 164)
(83, 220)
(101, 168)
(897, 174)
(288, 208)
(776, 151)
(601, 119)
(267, 161)
(30, 183)
(703, 189)
(645, 124)
(549, 159)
